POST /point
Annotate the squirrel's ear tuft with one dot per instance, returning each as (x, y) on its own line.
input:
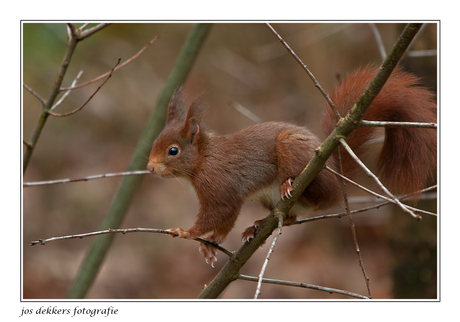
(192, 122)
(196, 108)
(176, 107)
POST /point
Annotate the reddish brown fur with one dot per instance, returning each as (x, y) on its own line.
(225, 170)
(408, 158)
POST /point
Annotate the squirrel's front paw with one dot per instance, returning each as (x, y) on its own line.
(286, 188)
(248, 234)
(180, 233)
(209, 253)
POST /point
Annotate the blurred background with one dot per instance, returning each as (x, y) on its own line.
(240, 64)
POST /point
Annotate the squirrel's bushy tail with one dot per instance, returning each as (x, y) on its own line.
(408, 159)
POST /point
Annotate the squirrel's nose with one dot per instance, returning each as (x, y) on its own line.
(150, 167)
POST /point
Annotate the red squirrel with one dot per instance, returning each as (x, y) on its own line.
(261, 161)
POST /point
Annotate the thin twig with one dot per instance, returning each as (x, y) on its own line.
(243, 110)
(353, 212)
(82, 27)
(390, 200)
(378, 39)
(369, 173)
(352, 226)
(49, 101)
(423, 53)
(310, 74)
(42, 100)
(72, 42)
(355, 200)
(68, 92)
(125, 231)
(27, 144)
(84, 104)
(89, 32)
(303, 285)
(365, 123)
(270, 251)
(117, 68)
(98, 176)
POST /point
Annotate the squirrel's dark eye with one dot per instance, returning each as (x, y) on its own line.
(173, 151)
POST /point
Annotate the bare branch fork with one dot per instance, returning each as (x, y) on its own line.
(73, 86)
(375, 194)
(75, 35)
(89, 98)
(67, 92)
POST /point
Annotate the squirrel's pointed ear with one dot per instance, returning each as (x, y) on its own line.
(192, 128)
(176, 107)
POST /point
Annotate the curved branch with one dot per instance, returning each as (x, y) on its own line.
(92, 95)
(67, 93)
(117, 68)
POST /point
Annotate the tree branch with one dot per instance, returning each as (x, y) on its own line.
(97, 176)
(89, 32)
(73, 38)
(270, 251)
(344, 127)
(92, 95)
(42, 100)
(373, 176)
(391, 200)
(354, 212)
(310, 74)
(352, 225)
(303, 285)
(126, 231)
(67, 92)
(72, 87)
(398, 124)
